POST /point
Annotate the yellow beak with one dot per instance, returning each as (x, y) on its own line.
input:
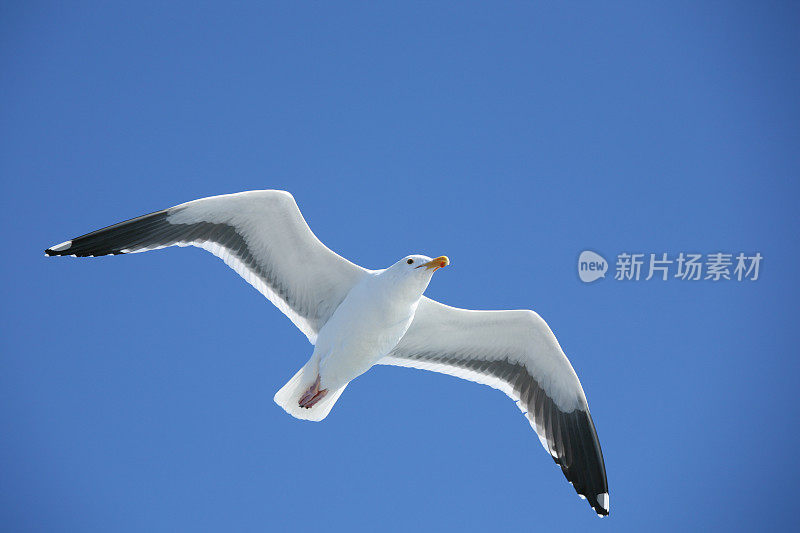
(440, 262)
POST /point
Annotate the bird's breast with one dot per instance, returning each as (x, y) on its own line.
(367, 325)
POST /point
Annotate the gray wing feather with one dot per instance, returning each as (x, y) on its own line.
(260, 234)
(516, 352)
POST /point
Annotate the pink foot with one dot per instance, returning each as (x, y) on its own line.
(312, 395)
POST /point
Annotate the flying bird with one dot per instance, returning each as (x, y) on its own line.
(356, 318)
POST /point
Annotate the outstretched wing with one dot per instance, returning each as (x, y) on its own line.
(260, 234)
(516, 352)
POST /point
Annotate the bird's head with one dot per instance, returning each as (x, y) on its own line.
(424, 264)
(415, 271)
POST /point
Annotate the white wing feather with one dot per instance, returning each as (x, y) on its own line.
(517, 353)
(260, 234)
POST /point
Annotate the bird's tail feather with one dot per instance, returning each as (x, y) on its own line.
(289, 395)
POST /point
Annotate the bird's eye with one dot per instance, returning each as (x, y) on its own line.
(410, 261)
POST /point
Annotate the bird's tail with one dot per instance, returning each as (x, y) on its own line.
(289, 395)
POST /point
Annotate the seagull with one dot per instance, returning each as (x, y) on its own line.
(356, 318)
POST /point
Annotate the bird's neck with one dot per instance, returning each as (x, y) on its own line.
(404, 290)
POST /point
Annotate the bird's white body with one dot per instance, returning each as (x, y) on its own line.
(369, 323)
(366, 326)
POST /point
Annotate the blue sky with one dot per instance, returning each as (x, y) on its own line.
(136, 391)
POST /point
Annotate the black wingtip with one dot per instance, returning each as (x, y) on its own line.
(59, 249)
(600, 504)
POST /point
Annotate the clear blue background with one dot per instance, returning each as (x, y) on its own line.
(136, 391)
